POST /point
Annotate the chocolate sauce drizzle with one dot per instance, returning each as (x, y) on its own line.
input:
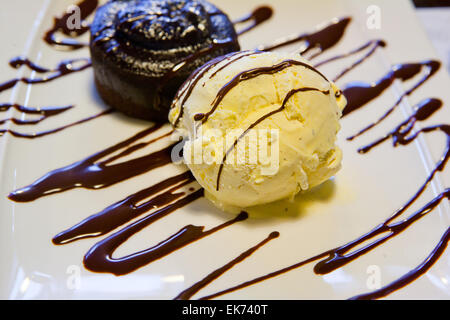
(91, 174)
(48, 132)
(333, 259)
(64, 68)
(189, 292)
(321, 40)
(250, 74)
(257, 16)
(45, 113)
(399, 135)
(99, 257)
(413, 274)
(127, 209)
(338, 257)
(372, 44)
(185, 62)
(261, 119)
(360, 93)
(192, 81)
(61, 24)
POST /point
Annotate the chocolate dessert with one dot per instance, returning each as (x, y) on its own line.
(123, 218)
(143, 50)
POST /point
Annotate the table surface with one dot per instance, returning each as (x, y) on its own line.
(436, 21)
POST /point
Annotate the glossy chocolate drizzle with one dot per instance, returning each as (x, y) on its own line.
(189, 292)
(372, 45)
(336, 258)
(256, 17)
(195, 77)
(399, 135)
(90, 173)
(51, 131)
(44, 113)
(99, 257)
(165, 197)
(125, 210)
(413, 274)
(333, 259)
(360, 93)
(64, 68)
(250, 74)
(61, 24)
(320, 40)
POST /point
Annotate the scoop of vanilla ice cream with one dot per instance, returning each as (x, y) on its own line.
(272, 117)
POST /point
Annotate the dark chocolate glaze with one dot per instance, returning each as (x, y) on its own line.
(256, 17)
(322, 39)
(360, 93)
(372, 45)
(44, 112)
(47, 132)
(64, 68)
(250, 74)
(91, 174)
(99, 257)
(189, 292)
(61, 24)
(261, 119)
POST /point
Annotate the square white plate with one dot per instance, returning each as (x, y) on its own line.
(367, 190)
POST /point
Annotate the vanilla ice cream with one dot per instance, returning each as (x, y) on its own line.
(259, 127)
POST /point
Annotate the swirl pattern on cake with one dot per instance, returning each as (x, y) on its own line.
(143, 50)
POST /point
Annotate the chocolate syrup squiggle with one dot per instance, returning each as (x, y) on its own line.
(61, 24)
(322, 39)
(413, 274)
(340, 256)
(359, 93)
(399, 135)
(125, 210)
(64, 68)
(99, 257)
(336, 258)
(45, 113)
(48, 132)
(257, 16)
(372, 44)
(185, 62)
(192, 81)
(91, 174)
(17, 62)
(250, 74)
(261, 119)
(189, 292)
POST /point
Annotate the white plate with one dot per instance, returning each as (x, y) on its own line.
(365, 192)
